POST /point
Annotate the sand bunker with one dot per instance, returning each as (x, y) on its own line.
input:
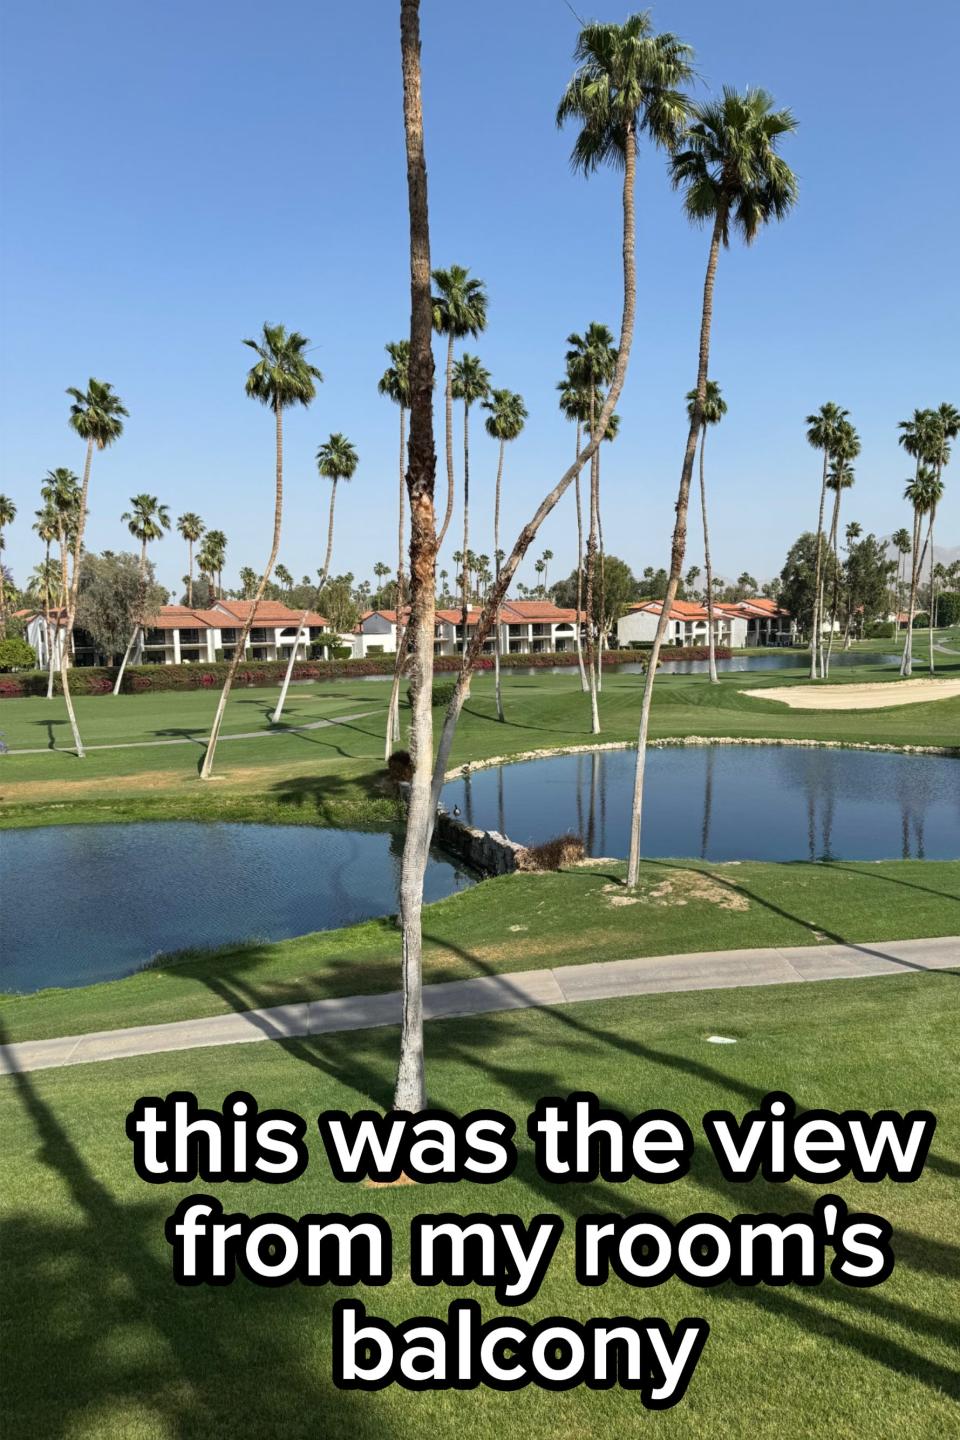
(860, 697)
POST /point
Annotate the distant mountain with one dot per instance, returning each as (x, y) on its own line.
(942, 554)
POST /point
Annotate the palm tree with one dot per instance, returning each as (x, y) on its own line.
(459, 310)
(823, 428)
(840, 477)
(146, 521)
(471, 382)
(281, 377)
(336, 460)
(605, 618)
(731, 174)
(380, 570)
(216, 549)
(8, 513)
(918, 437)
(923, 492)
(97, 416)
(284, 578)
(504, 423)
(395, 384)
(900, 540)
(711, 413)
(47, 527)
(409, 1093)
(575, 405)
(946, 425)
(591, 362)
(60, 492)
(191, 528)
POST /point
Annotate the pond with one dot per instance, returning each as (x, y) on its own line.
(99, 901)
(775, 660)
(728, 802)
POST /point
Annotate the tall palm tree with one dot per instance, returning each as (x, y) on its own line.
(946, 425)
(823, 428)
(336, 460)
(46, 526)
(840, 477)
(900, 540)
(8, 513)
(97, 416)
(409, 1092)
(471, 382)
(604, 618)
(711, 413)
(505, 421)
(191, 527)
(394, 383)
(575, 404)
(282, 377)
(459, 310)
(215, 555)
(731, 175)
(918, 437)
(146, 521)
(284, 578)
(60, 492)
(591, 362)
(923, 492)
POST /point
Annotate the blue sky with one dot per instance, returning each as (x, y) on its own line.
(175, 175)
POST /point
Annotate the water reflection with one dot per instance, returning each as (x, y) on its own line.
(730, 802)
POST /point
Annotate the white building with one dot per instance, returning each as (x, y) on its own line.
(736, 624)
(527, 627)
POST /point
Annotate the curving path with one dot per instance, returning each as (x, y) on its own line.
(709, 970)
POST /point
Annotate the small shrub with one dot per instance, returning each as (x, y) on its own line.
(442, 693)
(400, 766)
(881, 630)
(552, 854)
(921, 621)
(341, 652)
(16, 654)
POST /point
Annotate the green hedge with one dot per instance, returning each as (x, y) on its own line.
(99, 679)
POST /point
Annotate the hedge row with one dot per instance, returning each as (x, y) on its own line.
(99, 679)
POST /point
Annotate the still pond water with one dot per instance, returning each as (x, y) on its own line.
(126, 893)
(732, 802)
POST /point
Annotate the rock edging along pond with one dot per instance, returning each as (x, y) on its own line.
(669, 742)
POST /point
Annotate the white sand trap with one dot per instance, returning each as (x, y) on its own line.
(860, 697)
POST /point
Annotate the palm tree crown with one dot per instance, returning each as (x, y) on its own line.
(627, 83)
(507, 414)
(8, 511)
(460, 303)
(190, 526)
(592, 357)
(282, 376)
(714, 406)
(729, 169)
(471, 382)
(336, 458)
(147, 519)
(395, 380)
(96, 413)
(823, 426)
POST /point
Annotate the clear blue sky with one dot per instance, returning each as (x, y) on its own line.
(175, 175)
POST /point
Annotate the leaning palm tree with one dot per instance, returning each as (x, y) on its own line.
(191, 527)
(946, 427)
(471, 382)
(394, 383)
(146, 521)
(281, 377)
(918, 437)
(731, 175)
(822, 431)
(591, 362)
(504, 423)
(96, 415)
(459, 310)
(711, 413)
(8, 513)
(336, 460)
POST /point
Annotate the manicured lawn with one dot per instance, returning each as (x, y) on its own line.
(101, 1345)
(522, 922)
(338, 766)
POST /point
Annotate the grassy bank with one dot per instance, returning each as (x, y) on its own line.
(528, 922)
(101, 1345)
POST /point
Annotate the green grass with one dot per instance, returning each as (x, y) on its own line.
(337, 768)
(101, 1345)
(521, 922)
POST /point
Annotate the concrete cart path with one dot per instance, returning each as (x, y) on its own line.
(201, 739)
(712, 970)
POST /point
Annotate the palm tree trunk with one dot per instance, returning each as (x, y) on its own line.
(711, 634)
(933, 599)
(206, 770)
(677, 551)
(288, 673)
(410, 1093)
(602, 608)
(591, 562)
(465, 580)
(816, 637)
(579, 625)
(529, 532)
(141, 606)
(393, 709)
(906, 659)
(835, 597)
(496, 569)
(448, 513)
(71, 615)
(190, 573)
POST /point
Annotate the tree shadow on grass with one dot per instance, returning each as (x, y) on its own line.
(106, 1341)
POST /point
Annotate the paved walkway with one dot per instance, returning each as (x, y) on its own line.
(199, 739)
(709, 970)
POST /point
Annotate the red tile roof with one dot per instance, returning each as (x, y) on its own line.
(269, 612)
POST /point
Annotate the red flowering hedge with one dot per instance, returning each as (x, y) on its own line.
(99, 680)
